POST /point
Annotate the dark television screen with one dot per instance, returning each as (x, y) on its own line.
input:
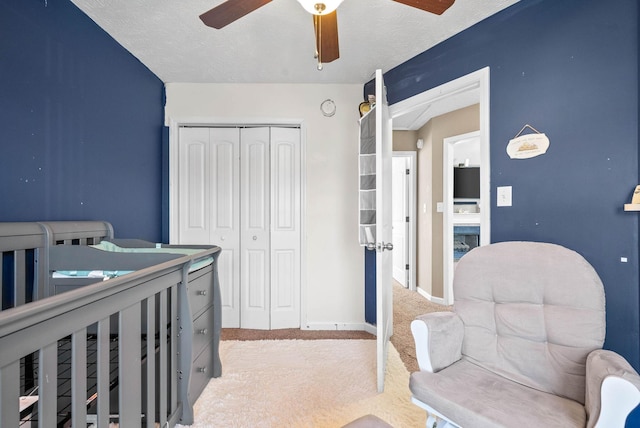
(466, 182)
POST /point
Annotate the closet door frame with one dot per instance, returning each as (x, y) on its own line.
(173, 187)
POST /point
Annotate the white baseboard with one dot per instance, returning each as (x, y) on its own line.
(339, 326)
(370, 328)
(429, 297)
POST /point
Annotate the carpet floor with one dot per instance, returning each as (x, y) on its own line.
(308, 378)
(407, 305)
(291, 334)
(304, 383)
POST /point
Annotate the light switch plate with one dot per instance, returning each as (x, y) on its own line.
(504, 196)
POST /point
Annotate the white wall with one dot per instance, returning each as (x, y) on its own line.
(333, 263)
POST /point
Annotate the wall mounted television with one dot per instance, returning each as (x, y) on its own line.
(466, 182)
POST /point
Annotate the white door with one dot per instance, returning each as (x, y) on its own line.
(285, 227)
(209, 204)
(241, 189)
(400, 214)
(270, 228)
(255, 260)
(384, 296)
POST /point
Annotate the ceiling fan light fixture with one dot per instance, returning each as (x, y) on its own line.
(320, 7)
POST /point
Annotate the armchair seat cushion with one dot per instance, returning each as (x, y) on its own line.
(480, 398)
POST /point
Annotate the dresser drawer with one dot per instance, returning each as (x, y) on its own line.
(202, 331)
(200, 291)
(201, 372)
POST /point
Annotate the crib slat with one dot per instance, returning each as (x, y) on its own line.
(175, 322)
(102, 372)
(129, 370)
(9, 395)
(2, 302)
(162, 387)
(48, 383)
(20, 280)
(41, 276)
(151, 361)
(79, 378)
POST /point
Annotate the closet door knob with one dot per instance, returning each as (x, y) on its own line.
(255, 238)
(201, 292)
(202, 331)
(201, 369)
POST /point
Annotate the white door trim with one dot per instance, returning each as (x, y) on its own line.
(413, 161)
(174, 127)
(477, 80)
(447, 217)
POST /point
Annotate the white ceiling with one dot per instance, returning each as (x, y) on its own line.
(275, 44)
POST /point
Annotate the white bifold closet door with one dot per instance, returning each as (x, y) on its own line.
(240, 189)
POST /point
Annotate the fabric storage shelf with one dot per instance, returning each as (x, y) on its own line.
(367, 174)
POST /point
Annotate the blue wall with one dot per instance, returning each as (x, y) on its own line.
(570, 69)
(81, 122)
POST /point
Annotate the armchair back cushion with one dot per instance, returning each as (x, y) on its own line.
(532, 312)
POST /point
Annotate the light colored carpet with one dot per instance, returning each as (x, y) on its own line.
(304, 383)
(407, 305)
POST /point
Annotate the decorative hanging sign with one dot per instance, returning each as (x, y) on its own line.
(529, 145)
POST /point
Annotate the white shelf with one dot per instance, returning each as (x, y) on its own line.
(632, 207)
(466, 218)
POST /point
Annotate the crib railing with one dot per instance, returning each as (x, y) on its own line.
(77, 232)
(24, 254)
(147, 351)
(22, 248)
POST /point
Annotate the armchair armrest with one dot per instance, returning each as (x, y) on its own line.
(612, 389)
(438, 338)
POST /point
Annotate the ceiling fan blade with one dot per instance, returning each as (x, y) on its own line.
(326, 29)
(229, 11)
(434, 6)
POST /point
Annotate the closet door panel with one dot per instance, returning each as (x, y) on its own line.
(283, 289)
(224, 164)
(285, 227)
(255, 225)
(241, 189)
(194, 185)
(225, 160)
(257, 285)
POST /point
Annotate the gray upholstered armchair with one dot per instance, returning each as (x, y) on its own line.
(523, 347)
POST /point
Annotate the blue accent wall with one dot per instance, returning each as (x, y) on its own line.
(370, 309)
(570, 69)
(81, 122)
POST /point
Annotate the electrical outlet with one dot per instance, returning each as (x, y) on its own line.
(504, 196)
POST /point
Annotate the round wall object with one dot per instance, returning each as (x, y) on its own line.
(328, 107)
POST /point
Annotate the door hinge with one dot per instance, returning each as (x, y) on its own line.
(408, 171)
(406, 267)
(407, 219)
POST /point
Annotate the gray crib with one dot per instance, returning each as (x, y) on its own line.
(137, 349)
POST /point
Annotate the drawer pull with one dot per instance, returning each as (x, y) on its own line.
(201, 369)
(201, 292)
(202, 331)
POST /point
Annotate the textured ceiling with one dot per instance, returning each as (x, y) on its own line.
(275, 44)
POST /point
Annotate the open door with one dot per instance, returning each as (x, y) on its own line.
(400, 213)
(384, 233)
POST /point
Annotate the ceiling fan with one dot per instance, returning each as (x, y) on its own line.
(325, 19)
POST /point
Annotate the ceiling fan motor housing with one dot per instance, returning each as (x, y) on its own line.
(323, 7)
